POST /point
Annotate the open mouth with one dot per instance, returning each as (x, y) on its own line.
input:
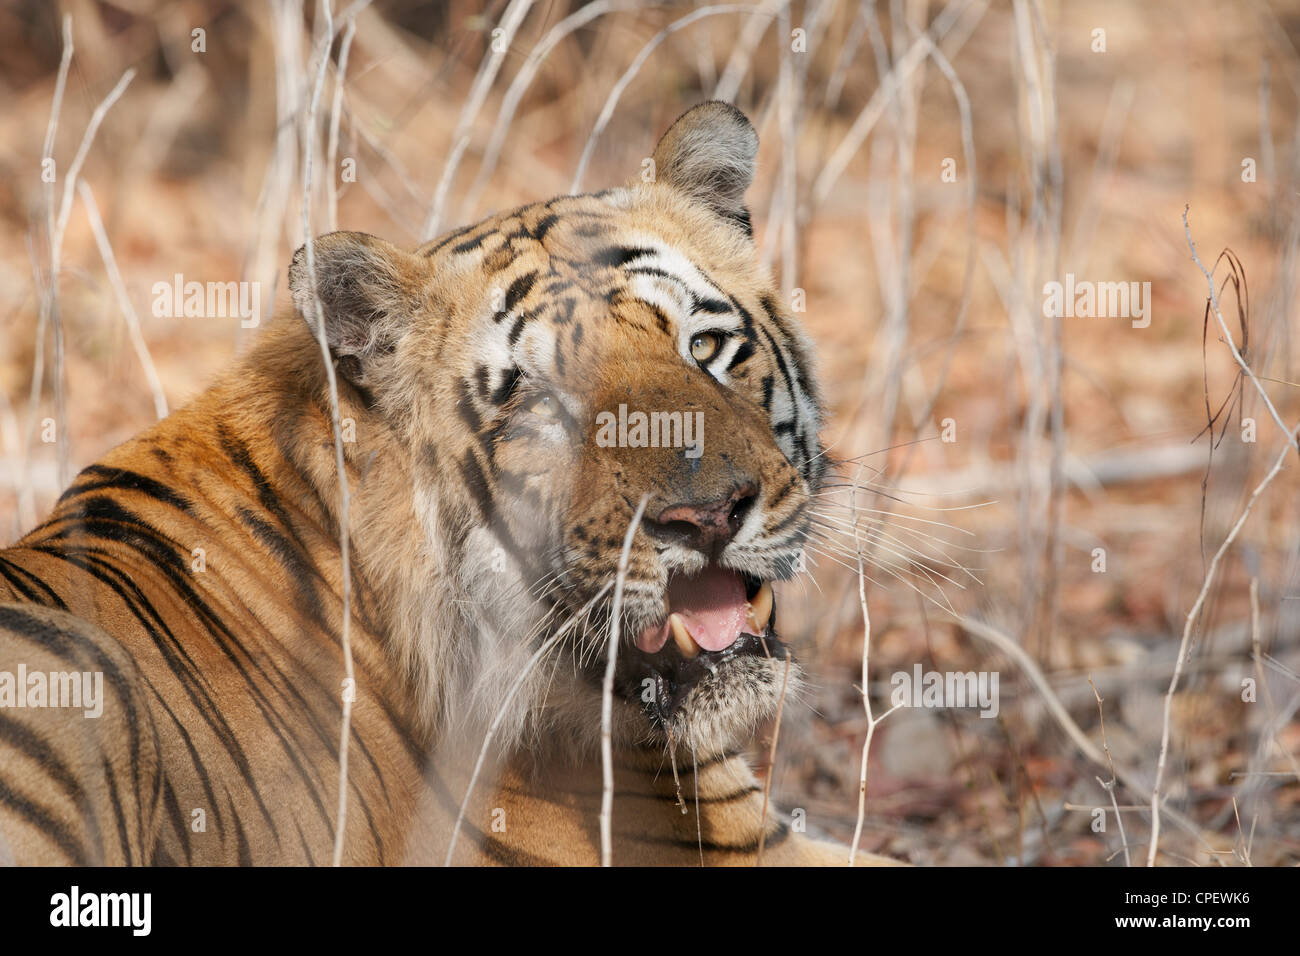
(710, 618)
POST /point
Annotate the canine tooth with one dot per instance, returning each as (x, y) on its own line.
(760, 610)
(682, 637)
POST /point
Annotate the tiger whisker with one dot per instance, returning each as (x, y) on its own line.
(919, 566)
(860, 509)
(881, 522)
(912, 555)
(899, 572)
(831, 488)
(945, 606)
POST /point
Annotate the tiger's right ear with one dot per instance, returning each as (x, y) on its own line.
(366, 289)
(708, 153)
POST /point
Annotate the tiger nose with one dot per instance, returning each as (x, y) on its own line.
(707, 527)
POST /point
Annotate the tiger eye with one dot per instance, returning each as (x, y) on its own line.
(543, 406)
(705, 345)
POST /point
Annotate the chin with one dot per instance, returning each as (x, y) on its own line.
(723, 711)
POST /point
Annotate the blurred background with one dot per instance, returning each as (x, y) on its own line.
(1039, 496)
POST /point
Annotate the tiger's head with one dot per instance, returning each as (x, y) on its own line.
(594, 381)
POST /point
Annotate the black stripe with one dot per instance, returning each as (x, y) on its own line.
(744, 352)
(454, 234)
(178, 821)
(517, 329)
(465, 408)
(469, 245)
(775, 837)
(492, 848)
(519, 289)
(24, 740)
(791, 518)
(123, 835)
(619, 256)
(102, 477)
(302, 839)
(543, 226)
(9, 573)
(173, 652)
(245, 855)
(710, 306)
(49, 827)
(25, 623)
(509, 382)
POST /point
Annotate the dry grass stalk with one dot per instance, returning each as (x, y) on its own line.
(743, 52)
(1185, 643)
(56, 227)
(607, 691)
(875, 107)
(872, 721)
(1231, 342)
(497, 50)
(349, 683)
(616, 91)
(504, 708)
(771, 765)
(26, 505)
(1109, 785)
(123, 300)
(523, 80)
(331, 161)
(1013, 649)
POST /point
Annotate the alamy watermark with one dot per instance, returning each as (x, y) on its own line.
(132, 911)
(651, 430)
(211, 300)
(1082, 298)
(75, 689)
(948, 689)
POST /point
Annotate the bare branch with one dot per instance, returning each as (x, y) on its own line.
(510, 21)
(607, 694)
(123, 300)
(616, 92)
(1185, 643)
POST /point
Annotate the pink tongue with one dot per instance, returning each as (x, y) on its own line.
(712, 604)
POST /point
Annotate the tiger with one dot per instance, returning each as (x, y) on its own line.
(518, 562)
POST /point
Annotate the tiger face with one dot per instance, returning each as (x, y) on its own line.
(593, 383)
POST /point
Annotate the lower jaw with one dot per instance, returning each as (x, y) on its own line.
(673, 680)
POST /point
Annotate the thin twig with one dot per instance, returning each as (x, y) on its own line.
(1016, 652)
(523, 79)
(607, 693)
(875, 107)
(872, 721)
(1185, 643)
(510, 21)
(123, 300)
(743, 52)
(771, 762)
(331, 160)
(611, 101)
(44, 288)
(349, 691)
(504, 708)
(1231, 343)
(50, 302)
(1109, 786)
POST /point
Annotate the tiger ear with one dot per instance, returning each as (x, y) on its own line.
(708, 153)
(366, 289)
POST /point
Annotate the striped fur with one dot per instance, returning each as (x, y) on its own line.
(197, 566)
